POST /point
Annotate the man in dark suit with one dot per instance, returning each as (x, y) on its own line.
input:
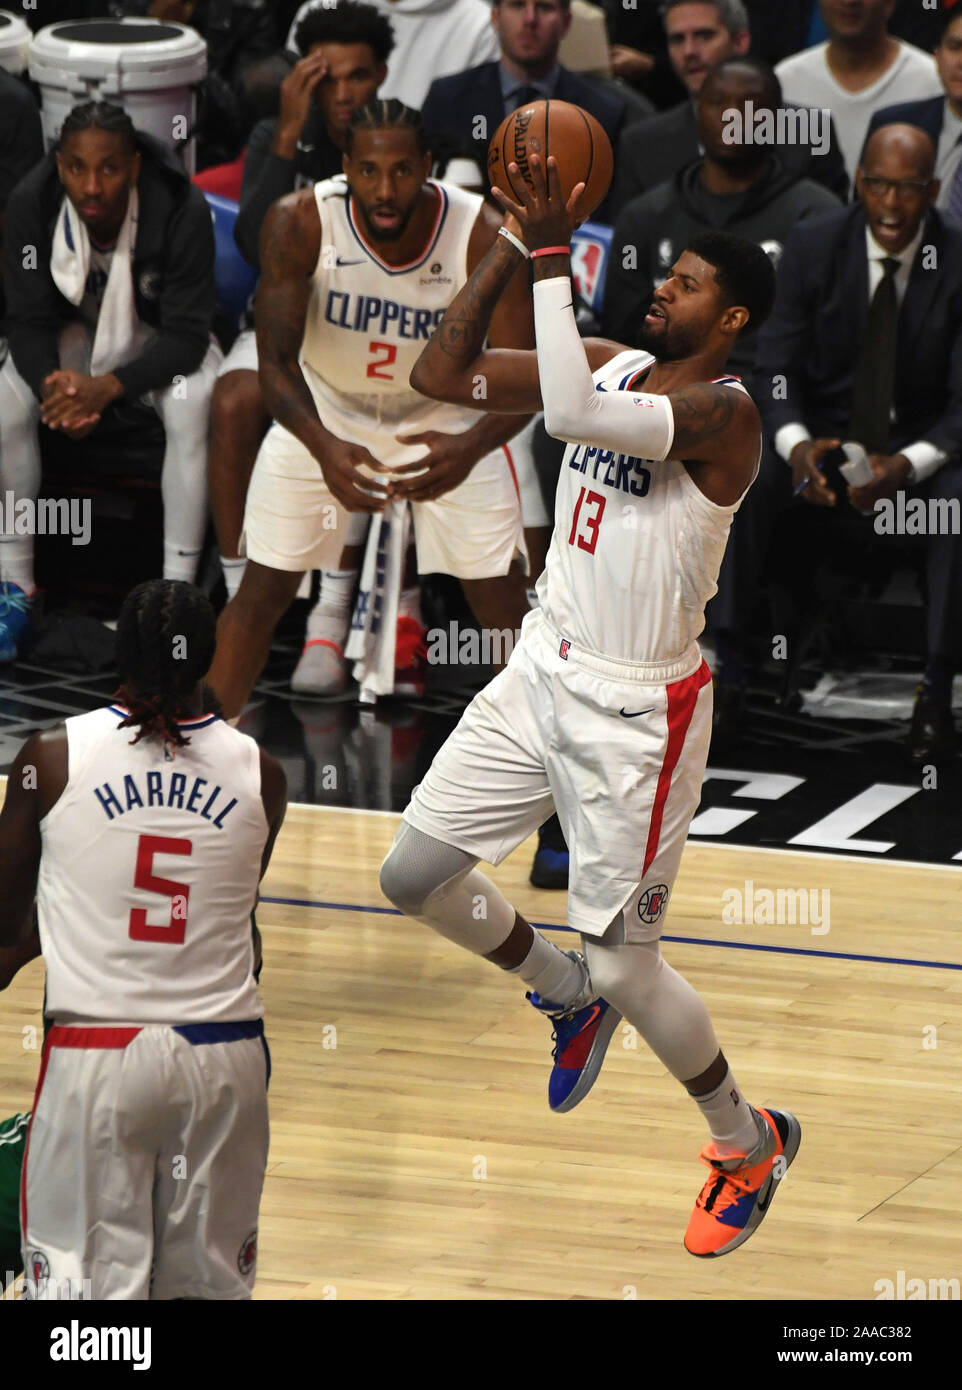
(701, 35)
(940, 117)
(865, 344)
(469, 106)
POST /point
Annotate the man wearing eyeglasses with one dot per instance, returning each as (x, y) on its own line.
(865, 344)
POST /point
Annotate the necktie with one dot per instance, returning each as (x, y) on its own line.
(953, 208)
(875, 369)
(524, 95)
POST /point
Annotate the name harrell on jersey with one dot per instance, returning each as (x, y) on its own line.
(637, 546)
(149, 873)
(368, 321)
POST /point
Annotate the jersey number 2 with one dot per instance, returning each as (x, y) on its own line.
(144, 877)
(591, 523)
(390, 352)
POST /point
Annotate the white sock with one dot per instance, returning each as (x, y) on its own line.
(409, 604)
(233, 569)
(179, 563)
(730, 1118)
(330, 616)
(556, 976)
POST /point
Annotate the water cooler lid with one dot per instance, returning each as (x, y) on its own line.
(143, 53)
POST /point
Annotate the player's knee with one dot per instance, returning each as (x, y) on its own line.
(416, 869)
(631, 968)
(237, 402)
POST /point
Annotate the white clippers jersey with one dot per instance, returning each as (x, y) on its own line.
(636, 548)
(368, 322)
(149, 873)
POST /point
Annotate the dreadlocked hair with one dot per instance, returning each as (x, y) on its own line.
(166, 635)
(98, 115)
(381, 114)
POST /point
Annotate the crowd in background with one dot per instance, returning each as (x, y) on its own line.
(861, 213)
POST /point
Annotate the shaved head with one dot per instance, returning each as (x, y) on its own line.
(907, 144)
(896, 185)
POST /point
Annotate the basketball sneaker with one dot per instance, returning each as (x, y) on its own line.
(410, 657)
(581, 1036)
(321, 670)
(736, 1197)
(15, 609)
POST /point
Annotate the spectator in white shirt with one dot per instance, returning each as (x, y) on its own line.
(861, 69)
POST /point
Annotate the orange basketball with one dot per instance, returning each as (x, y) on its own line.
(572, 136)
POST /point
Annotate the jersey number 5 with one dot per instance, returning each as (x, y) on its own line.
(145, 878)
(591, 522)
(390, 352)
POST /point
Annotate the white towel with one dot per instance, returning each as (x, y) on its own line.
(374, 625)
(119, 331)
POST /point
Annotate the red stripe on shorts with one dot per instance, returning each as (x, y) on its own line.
(60, 1036)
(682, 697)
(514, 476)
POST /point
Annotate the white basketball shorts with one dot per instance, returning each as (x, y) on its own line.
(293, 522)
(145, 1162)
(618, 750)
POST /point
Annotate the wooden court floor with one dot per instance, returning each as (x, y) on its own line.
(413, 1154)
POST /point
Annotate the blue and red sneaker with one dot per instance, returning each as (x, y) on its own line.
(15, 608)
(581, 1037)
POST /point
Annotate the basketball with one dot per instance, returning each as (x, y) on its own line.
(572, 136)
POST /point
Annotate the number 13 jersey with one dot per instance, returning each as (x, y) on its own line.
(637, 546)
(148, 875)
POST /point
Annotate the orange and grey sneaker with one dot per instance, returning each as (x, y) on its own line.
(739, 1192)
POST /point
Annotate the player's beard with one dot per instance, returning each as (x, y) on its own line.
(376, 233)
(667, 343)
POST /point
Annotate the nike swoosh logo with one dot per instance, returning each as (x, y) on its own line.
(763, 1202)
(339, 261)
(637, 714)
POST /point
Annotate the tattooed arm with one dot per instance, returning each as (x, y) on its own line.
(289, 249)
(455, 366)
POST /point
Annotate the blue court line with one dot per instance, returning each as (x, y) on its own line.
(681, 940)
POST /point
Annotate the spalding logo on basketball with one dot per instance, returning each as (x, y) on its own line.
(573, 136)
(652, 903)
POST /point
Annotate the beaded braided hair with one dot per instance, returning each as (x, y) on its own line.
(166, 635)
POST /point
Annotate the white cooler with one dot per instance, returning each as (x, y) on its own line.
(15, 39)
(147, 66)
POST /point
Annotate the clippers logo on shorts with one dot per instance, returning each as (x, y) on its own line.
(39, 1267)
(652, 902)
(564, 649)
(247, 1254)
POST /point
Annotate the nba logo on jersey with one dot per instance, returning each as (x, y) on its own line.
(247, 1254)
(564, 649)
(651, 904)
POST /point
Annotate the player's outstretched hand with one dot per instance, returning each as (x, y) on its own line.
(356, 491)
(448, 462)
(543, 216)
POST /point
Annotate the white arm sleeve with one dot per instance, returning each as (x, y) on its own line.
(627, 422)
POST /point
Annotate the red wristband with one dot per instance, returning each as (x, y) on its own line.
(552, 251)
